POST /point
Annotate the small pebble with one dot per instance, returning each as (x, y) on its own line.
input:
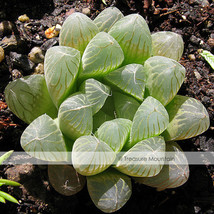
(191, 57)
(1, 54)
(197, 75)
(206, 100)
(86, 11)
(49, 43)
(209, 24)
(39, 69)
(36, 55)
(16, 74)
(23, 18)
(210, 42)
(51, 32)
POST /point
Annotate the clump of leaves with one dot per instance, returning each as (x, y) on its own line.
(109, 94)
(3, 195)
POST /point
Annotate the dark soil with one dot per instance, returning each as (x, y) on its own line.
(192, 19)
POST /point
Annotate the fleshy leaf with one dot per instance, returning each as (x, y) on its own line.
(96, 93)
(61, 69)
(131, 79)
(8, 182)
(43, 139)
(77, 31)
(174, 174)
(187, 118)
(65, 179)
(209, 57)
(28, 98)
(102, 55)
(2, 200)
(150, 120)
(164, 78)
(75, 116)
(135, 162)
(108, 107)
(133, 35)
(99, 118)
(8, 197)
(168, 44)
(91, 156)
(5, 156)
(106, 19)
(115, 133)
(109, 190)
(125, 106)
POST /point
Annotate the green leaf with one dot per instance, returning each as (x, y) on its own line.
(28, 98)
(91, 156)
(2, 200)
(102, 55)
(109, 190)
(107, 18)
(164, 78)
(43, 139)
(99, 118)
(131, 79)
(135, 162)
(96, 93)
(108, 107)
(150, 120)
(187, 118)
(75, 116)
(209, 57)
(8, 197)
(168, 44)
(115, 133)
(174, 174)
(5, 156)
(77, 31)
(61, 69)
(65, 180)
(8, 182)
(125, 106)
(133, 35)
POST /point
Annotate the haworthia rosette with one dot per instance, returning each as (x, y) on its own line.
(77, 31)
(187, 118)
(133, 35)
(61, 70)
(164, 78)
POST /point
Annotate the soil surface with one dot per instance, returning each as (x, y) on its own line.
(193, 19)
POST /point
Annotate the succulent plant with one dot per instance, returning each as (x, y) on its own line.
(109, 94)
